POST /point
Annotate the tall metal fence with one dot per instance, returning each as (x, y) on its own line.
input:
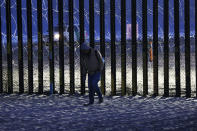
(136, 44)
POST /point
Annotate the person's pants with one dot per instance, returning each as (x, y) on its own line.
(93, 86)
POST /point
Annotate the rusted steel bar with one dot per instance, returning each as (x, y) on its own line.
(40, 47)
(61, 46)
(145, 48)
(1, 66)
(113, 47)
(9, 47)
(102, 41)
(166, 48)
(71, 48)
(187, 49)
(20, 47)
(29, 45)
(155, 47)
(51, 46)
(177, 48)
(134, 49)
(91, 19)
(123, 47)
(82, 35)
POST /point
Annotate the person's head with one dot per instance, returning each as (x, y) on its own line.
(85, 49)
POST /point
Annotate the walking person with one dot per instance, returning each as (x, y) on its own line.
(92, 64)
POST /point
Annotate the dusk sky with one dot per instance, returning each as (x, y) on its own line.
(97, 17)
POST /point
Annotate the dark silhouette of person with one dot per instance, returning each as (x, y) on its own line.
(92, 63)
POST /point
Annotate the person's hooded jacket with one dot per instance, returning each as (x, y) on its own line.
(92, 61)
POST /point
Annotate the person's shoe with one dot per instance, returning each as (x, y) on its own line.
(100, 101)
(88, 104)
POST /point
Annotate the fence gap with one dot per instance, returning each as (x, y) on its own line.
(61, 45)
(155, 47)
(40, 47)
(145, 49)
(91, 19)
(134, 49)
(187, 48)
(29, 44)
(9, 47)
(177, 48)
(71, 48)
(82, 35)
(166, 48)
(102, 41)
(113, 47)
(1, 67)
(51, 46)
(123, 47)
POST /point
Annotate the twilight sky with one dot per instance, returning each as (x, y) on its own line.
(97, 17)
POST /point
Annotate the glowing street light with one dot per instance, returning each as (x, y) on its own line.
(56, 36)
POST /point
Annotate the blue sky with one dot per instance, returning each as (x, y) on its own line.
(97, 16)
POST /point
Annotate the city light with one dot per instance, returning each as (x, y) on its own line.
(56, 36)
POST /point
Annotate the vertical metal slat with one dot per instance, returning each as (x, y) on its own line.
(61, 46)
(187, 49)
(71, 48)
(196, 42)
(166, 48)
(123, 47)
(81, 17)
(177, 48)
(155, 47)
(113, 47)
(145, 50)
(134, 49)
(20, 47)
(40, 47)
(1, 67)
(9, 47)
(102, 41)
(51, 46)
(91, 19)
(29, 44)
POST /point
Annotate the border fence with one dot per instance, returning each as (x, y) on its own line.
(123, 42)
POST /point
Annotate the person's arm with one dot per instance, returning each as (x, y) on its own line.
(100, 60)
(83, 69)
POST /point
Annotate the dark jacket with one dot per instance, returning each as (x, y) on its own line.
(91, 60)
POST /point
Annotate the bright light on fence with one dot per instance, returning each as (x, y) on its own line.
(56, 36)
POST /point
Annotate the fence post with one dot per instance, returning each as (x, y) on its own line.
(196, 42)
(113, 47)
(71, 48)
(187, 49)
(1, 67)
(61, 46)
(82, 35)
(91, 19)
(166, 48)
(145, 50)
(20, 47)
(9, 47)
(155, 47)
(134, 49)
(29, 44)
(51, 46)
(177, 48)
(123, 47)
(102, 41)
(40, 47)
